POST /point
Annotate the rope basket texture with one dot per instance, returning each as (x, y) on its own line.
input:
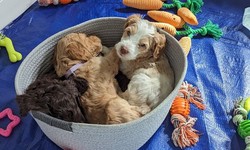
(82, 136)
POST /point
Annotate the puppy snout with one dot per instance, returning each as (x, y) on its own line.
(124, 50)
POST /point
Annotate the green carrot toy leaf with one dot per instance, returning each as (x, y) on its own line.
(212, 30)
(194, 5)
(209, 29)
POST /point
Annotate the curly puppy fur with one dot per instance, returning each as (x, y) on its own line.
(55, 97)
(144, 63)
(101, 103)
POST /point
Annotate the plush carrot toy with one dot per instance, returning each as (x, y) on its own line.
(186, 44)
(166, 17)
(144, 4)
(193, 5)
(166, 27)
(184, 135)
(185, 13)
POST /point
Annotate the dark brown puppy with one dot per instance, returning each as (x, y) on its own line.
(55, 97)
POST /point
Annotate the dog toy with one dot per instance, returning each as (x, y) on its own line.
(182, 9)
(144, 4)
(185, 13)
(166, 17)
(193, 5)
(14, 56)
(186, 44)
(54, 2)
(184, 135)
(14, 122)
(209, 29)
(241, 118)
(166, 27)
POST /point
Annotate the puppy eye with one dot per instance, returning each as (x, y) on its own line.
(142, 45)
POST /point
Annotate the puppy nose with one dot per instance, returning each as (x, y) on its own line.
(124, 50)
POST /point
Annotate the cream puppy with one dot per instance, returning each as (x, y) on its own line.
(144, 63)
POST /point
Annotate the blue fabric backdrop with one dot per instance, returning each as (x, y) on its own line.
(220, 69)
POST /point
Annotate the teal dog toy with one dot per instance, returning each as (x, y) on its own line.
(242, 119)
(14, 56)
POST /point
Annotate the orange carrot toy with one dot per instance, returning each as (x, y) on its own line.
(144, 4)
(166, 17)
(193, 5)
(185, 10)
(186, 44)
(166, 27)
(185, 13)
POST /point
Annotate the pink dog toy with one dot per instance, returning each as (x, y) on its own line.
(14, 121)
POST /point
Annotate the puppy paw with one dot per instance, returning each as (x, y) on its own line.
(105, 50)
(143, 110)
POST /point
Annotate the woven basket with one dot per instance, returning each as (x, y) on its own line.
(82, 136)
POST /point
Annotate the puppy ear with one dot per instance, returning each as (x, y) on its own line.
(159, 44)
(132, 19)
(73, 51)
(81, 84)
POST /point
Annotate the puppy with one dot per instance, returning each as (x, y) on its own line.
(101, 103)
(55, 97)
(144, 63)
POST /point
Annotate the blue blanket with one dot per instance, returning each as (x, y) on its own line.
(220, 69)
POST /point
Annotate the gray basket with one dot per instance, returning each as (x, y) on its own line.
(82, 136)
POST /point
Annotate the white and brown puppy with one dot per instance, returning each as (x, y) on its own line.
(144, 63)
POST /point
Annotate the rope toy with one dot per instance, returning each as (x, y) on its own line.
(14, 56)
(184, 135)
(54, 2)
(14, 122)
(241, 118)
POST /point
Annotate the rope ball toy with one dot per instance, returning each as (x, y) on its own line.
(241, 118)
(184, 135)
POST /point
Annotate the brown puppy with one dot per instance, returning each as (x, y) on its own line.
(55, 97)
(144, 63)
(101, 103)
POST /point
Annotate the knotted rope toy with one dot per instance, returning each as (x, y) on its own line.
(184, 135)
(54, 2)
(14, 56)
(210, 29)
(241, 118)
(14, 122)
